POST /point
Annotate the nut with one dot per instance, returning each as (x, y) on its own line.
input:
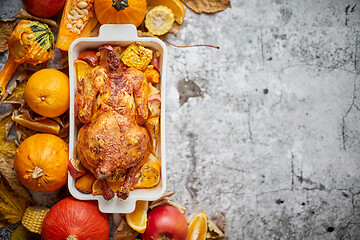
(79, 23)
(76, 17)
(68, 25)
(70, 18)
(82, 4)
(79, 11)
(86, 12)
(73, 12)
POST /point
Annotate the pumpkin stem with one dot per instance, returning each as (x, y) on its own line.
(120, 4)
(72, 237)
(38, 172)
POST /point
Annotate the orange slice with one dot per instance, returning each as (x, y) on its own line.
(138, 218)
(175, 5)
(81, 68)
(198, 227)
(149, 177)
(96, 188)
(42, 125)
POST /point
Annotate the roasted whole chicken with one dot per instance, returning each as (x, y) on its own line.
(111, 102)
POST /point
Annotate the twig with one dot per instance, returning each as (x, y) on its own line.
(8, 229)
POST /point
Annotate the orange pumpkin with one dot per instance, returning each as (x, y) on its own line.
(41, 162)
(120, 11)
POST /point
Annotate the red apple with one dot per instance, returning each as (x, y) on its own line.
(43, 8)
(165, 223)
(76, 169)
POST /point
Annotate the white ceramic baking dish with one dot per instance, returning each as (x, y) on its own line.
(122, 35)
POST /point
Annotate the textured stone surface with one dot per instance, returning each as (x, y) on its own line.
(271, 134)
(266, 129)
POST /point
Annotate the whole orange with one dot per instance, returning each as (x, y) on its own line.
(47, 92)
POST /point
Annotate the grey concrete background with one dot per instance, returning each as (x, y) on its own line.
(266, 129)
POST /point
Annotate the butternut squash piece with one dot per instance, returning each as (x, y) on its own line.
(84, 183)
(78, 20)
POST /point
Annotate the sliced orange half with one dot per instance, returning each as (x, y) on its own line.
(138, 218)
(198, 227)
(150, 176)
(175, 5)
(41, 125)
(96, 188)
(81, 68)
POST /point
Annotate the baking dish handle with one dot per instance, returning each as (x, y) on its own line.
(118, 32)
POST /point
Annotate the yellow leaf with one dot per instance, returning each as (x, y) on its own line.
(7, 147)
(12, 206)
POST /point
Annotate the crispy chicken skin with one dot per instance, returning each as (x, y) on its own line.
(112, 104)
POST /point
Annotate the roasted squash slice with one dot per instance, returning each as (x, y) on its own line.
(78, 20)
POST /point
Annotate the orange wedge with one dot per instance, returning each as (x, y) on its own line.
(43, 125)
(96, 188)
(114, 186)
(198, 227)
(149, 177)
(81, 68)
(175, 5)
(138, 218)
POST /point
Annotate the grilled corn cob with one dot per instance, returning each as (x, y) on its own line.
(136, 56)
(159, 20)
(34, 217)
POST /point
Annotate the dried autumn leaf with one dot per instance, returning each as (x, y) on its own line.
(23, 133)
(15, 93)
(59, 60)
(207, 6)
(12, 206)
(214, 232)
(8, 173)
(145, 34)
(95, 31)
(125, 232)
(6, 28)
(7, 146)
(24, 14)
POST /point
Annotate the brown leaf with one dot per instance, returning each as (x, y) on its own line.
(221, 221)
(15, 93)
(23, 133)
(7, 146)
(144, 34)
(175, 28)
(214, 232)
(24, 14)
(6, 28)
(167, 201)
(59, 60)
(207, 6)
(8, 173)
(125, 232)
(95, 31)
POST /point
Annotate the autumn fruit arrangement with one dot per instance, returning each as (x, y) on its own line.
(34, 133)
